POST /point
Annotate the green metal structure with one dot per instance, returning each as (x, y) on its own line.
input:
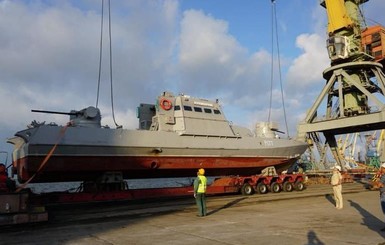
(355, 83)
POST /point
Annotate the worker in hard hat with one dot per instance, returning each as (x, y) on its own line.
(200, 184)
(336, 182)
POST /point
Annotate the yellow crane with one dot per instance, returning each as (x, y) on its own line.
(355, 81)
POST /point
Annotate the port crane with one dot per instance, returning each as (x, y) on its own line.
(355, 81)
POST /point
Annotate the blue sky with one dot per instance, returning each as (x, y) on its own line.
(205, 48)
(250, 21)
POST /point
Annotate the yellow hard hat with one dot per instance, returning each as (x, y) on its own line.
(201, 171)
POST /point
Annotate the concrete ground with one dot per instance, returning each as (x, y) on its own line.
(307, 217)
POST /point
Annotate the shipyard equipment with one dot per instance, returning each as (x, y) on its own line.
(355, 82)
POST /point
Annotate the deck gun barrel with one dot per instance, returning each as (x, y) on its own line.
(56, 112)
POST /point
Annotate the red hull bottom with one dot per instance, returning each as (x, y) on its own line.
(63, 169)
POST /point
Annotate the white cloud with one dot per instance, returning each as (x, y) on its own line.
(212, 62)
(126, 118)
(307, 69)
(204, 38)
(50, 55)
(52, 60)
(54, 50)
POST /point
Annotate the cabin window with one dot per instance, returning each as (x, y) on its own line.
(187, 108)
(217, 112)
(177, 108)
(207, 110)
(197, 109)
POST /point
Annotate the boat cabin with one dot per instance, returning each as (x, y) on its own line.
(187, 115)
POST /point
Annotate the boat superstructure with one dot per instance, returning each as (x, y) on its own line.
(176, 136)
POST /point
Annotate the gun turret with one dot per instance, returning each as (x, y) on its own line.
(87, 117)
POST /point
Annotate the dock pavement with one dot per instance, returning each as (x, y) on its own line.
(298, 218)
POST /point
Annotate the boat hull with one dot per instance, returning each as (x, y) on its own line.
(61, 169)
(87, 153)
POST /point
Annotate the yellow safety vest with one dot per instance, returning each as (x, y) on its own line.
(202, 184)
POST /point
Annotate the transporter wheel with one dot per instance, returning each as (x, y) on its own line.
(275, 187)
(247, 189)
(288, 187)
(261, 188)
(299, 185)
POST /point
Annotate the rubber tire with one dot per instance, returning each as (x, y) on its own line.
(275, 187)
(288, 187)
(299, 186)
(262, 188)
(247, 189)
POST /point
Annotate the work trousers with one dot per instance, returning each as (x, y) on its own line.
(382, 199)
(338, 196)
(201, 203)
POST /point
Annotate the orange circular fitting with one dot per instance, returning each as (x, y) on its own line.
(165, 104)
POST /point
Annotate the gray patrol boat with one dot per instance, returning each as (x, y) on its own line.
(176, 136)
